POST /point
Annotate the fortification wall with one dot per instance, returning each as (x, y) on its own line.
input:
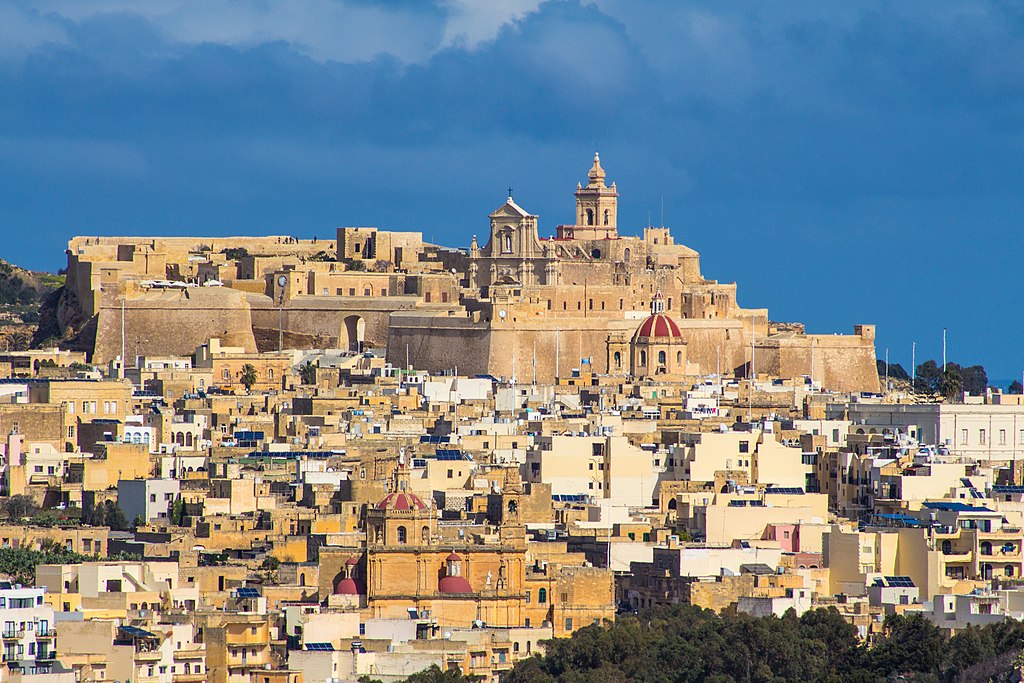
(172, 322)
(438, 343)
(325, 321)
(839, 362)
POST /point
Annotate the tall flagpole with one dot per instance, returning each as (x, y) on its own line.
(943, 349)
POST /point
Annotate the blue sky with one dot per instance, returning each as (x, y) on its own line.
(843, 162)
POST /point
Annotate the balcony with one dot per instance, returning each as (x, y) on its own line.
(46, 633)
(956, 556)
(188, 678)
(12, 635)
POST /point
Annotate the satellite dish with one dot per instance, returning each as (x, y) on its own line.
(502, 314)
(282, 280)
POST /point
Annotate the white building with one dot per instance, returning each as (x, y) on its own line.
(28, 629)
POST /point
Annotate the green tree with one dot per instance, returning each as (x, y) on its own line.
(20, 506)
(1015, 387)
(975, 379)
(114, 516)
(248, 378)
(909, 644)
(307, 373)
(177, 511)
(928, 374)
(235, 253)
(951, 384)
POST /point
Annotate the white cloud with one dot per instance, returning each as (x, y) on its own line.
(325, 30)
(471, 22)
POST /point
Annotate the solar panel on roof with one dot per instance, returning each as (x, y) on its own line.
(247, 593)
(1008, 489)
(449, 454)
(966, 482)
(319, 647)
(975, 493)
(785, 490)
(137, 632)
(899, 581)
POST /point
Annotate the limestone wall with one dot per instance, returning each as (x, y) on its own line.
(172, 322)
(839, 362)
(325, 321)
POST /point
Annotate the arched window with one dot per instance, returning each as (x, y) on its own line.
(672, 504)
(643, 358)
(402, 536)
(986, 548)
(617, 359)
(270, 374)
(515, 647)
(1008, 570)
(508, 243)
(512, 506)
(626, 254)
(661, 357)
(596, 253)
(679, 357)
(188, 439)
(947, 547)
(590, 216)
(542, 595)
(425, 534)
(302, 579)
(607, 215)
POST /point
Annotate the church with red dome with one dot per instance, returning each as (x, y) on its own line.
(657, 348)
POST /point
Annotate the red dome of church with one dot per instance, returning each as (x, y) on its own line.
(347, 586)
(401, 500)
(659, 325)
(454, 584)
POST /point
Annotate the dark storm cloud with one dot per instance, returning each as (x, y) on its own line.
(843, 162)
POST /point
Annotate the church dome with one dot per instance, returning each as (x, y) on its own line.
(347, 586)
(401, 501)
(454, 582)
(658, 326)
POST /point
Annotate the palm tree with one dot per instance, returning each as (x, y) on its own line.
(248, 376)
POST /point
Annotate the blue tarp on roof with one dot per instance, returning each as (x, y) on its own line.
(905, 519)
(956, 507)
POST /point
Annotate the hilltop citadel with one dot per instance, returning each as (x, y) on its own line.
(274, 460)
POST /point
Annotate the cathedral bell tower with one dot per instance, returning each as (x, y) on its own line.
(596, 206)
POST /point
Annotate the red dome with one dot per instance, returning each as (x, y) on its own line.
(347, 586)
(658, 325)
(454, 584)
(401, 500)
(453, 558)
(352, 561)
